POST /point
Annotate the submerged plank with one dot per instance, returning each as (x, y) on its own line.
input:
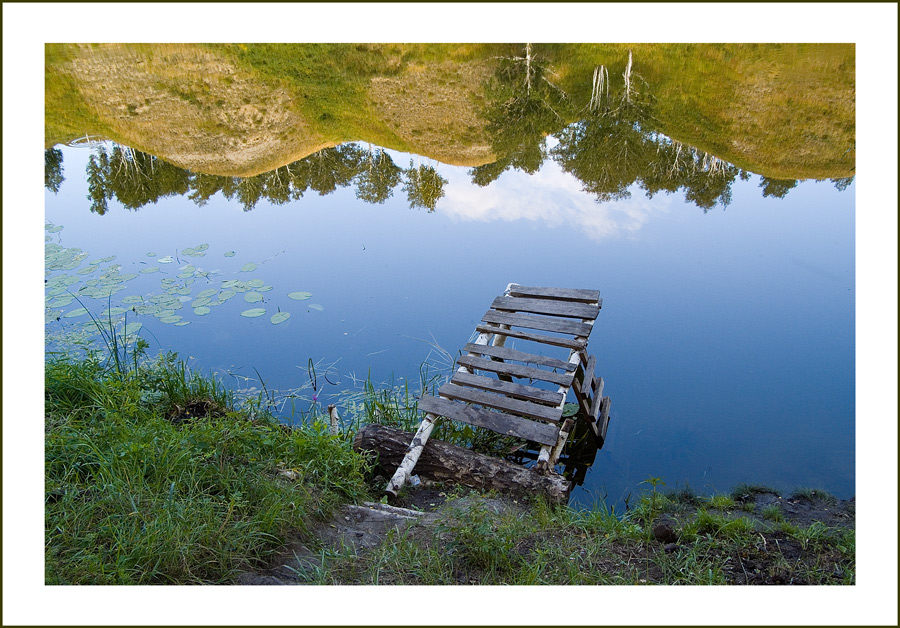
(519, 356)
(516, 370)
(501, 402)
(544, 306)
(543, 433)
(558, 325)
(558, 294)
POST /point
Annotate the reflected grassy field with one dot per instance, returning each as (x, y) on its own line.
(785, 111)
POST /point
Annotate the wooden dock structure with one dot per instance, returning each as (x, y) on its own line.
(550, 328)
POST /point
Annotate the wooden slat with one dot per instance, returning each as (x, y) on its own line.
(558, 294)
(519, 391)
(543, 433)
(558, 325)
(556, 341)
(583, 388)
(530, 372)
(603, 420)
(519, 356)
(544, 306)
(501, 402)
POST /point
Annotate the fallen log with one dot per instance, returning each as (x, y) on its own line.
(443, 462)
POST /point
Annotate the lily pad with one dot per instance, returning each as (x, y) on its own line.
(253, 297)
(230, 254)
(315, 306)
(249, 267)
(113, 311)
(132, 299)
(206, 293)
(168, 259)
(79, 312)
(170, 319)
(54, 228)
(62, 301)
(226, 294)
(256, 283)
(201, 301)
(202, 310)
(151, 269)
(182, 323)
(151, 254)
(254, 312)
(300, 296)
(280, 317)
(131, 328)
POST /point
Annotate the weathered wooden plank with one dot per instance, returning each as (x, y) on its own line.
(519, 356)
(584, 388)
(603, 421)
(595, 405)
(556, 341)
(501, 402)
(544, 306)
(558, 325)
(543, 433)
(519, 391)
(558, 294)
(516, 370)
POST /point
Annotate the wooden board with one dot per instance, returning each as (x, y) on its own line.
(543, 433)
(558, 294)
(558, 325)
(583, 388)
(519, 356)
(545, 306)
(501, 402)
(516, 370)
(519, 391)
(603, 420)
(556, 341)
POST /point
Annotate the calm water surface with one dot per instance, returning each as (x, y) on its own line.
(726, 337)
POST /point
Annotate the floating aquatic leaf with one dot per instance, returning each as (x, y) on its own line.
(263, 288)
(280, 317)
(151, 269)
(103, 260)
(230, 283)
(170, 319)
(256, 283)
(132, 299)
(62, 301)
(253, 297)
(151, 254)
(183, 299)
(202, 310)
(226, 294)
(54, 228)
(87, 271)
(201, 247)
(257, 311)
(315, 306)
(200, 301)
(249, 267)
(132, 328)
(113, 311)
(230, 254)
(168, 259)
(79, 312)
(161, 314)
(300, 296)
(206, 293)
(182, 323)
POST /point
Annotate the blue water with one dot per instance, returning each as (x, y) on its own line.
(726, 338)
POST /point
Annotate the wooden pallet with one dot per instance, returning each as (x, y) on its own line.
(484, 391)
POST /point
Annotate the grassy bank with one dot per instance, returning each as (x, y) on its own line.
(154, 475)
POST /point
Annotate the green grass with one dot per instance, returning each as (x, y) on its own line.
(154, 477)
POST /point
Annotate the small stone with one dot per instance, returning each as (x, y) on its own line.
(664, 530)
(670, 547)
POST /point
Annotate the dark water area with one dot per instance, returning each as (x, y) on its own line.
(726, 338)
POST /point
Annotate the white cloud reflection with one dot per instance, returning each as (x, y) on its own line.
(550, 196)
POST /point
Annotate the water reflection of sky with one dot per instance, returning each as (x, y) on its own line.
(726, 337)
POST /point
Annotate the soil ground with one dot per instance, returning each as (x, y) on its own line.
(419, 511)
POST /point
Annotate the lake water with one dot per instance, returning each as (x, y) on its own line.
(726, 337)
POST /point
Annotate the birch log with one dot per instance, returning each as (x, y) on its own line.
(411, 456)
(442, 462)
